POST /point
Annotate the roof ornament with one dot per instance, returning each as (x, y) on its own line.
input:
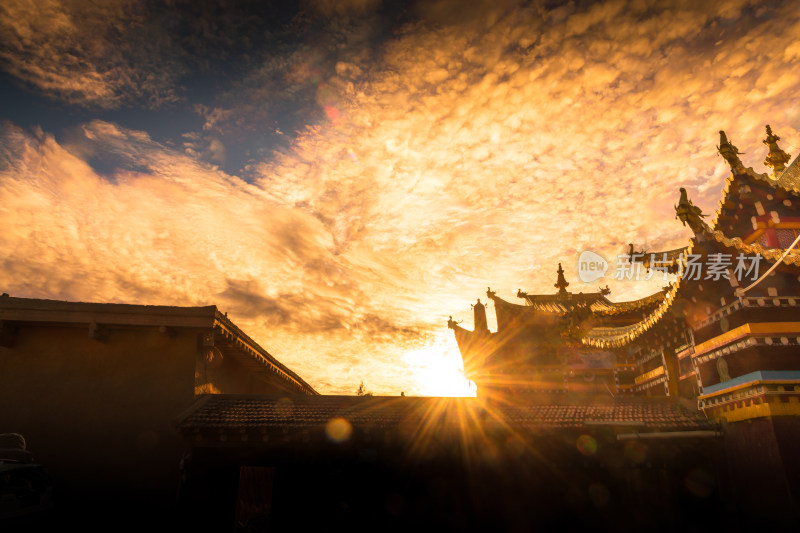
(777, 158)
(605, 291)
(638, 257)
(632, 252)
(490, 293)
(561, 283)
(521, 294)
(452, 323)
(730, 153)
(689, 213)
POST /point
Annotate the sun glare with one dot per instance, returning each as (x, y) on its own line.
(439, 370)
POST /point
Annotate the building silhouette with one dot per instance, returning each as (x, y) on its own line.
(95, 388)
(675, 411)
(722, 339)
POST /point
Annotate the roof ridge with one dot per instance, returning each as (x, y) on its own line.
(13, 302)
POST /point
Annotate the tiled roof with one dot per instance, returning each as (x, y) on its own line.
(41, 310)
(555, 305)
(633, 305)
(562, 303)
(614, 337)
(242, 413)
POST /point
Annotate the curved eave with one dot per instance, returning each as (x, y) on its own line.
(506, 310)
(560, 303)
(726, 191)
(601, 306)
(616, 337)
(633, 305)
(463, 337)
(514, 317)
(521, 308)
(772, 255)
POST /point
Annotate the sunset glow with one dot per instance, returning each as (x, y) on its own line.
(343, 177)
(439, 369)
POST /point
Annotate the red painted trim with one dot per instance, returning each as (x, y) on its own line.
(772, 237)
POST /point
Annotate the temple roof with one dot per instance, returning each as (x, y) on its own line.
(614, 337)
(239, 413)
(229, 338)
(608, 337)
(599, 304)
(788, 181)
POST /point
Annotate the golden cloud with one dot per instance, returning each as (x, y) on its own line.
(471, 155)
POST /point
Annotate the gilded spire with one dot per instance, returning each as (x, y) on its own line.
(561, 283)
(729, 152)
(777, 158)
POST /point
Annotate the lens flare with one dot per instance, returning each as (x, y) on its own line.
(338, 430)
(586, 444)
(332, 113)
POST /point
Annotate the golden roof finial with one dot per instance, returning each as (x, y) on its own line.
(561, 283)
(729, 152)
(777, 158)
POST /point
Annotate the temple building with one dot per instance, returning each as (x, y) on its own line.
(675, 411)
(724, 336)
(537, 348)
(590, 412)
(94, 390)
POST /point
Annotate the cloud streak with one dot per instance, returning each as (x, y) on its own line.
(181, 232)
(102, 54)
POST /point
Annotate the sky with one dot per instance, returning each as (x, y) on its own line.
(342, 176)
